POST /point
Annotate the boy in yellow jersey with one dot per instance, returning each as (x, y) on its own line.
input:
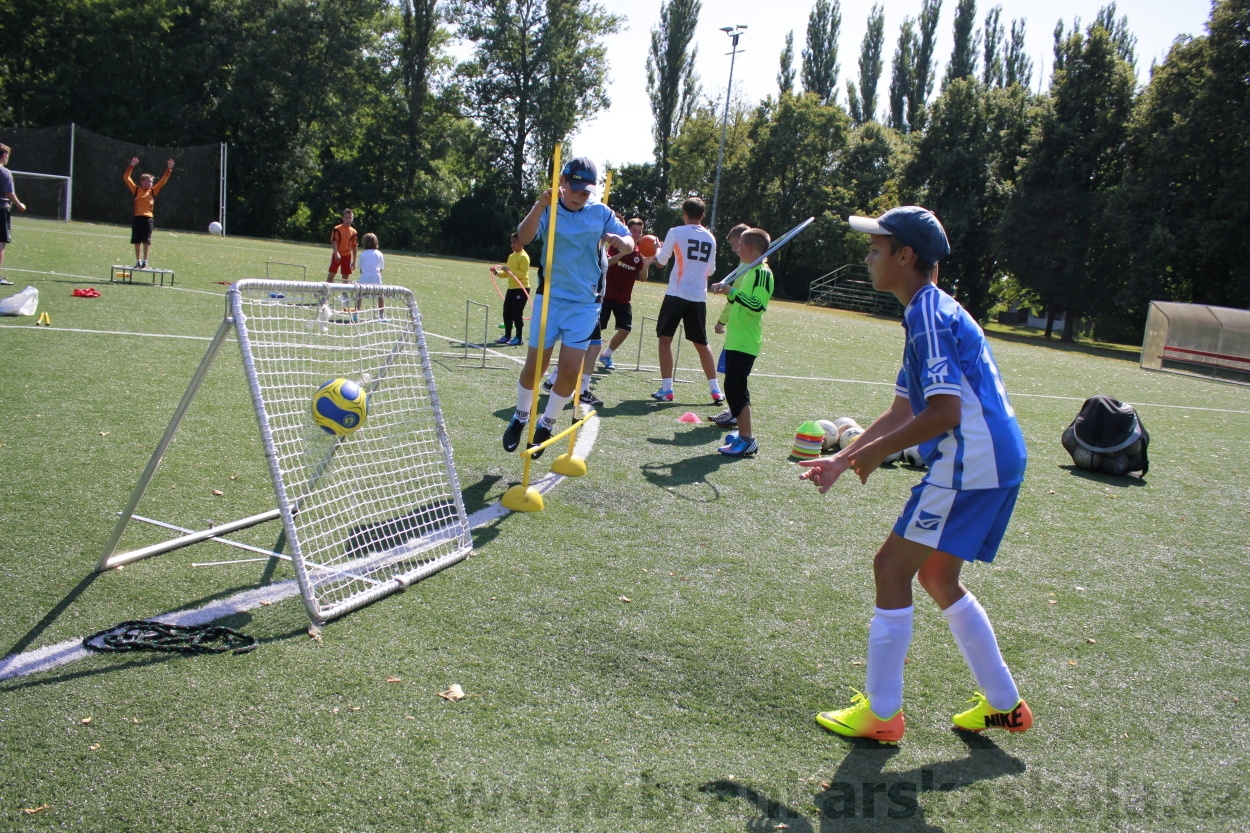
(518, 272)
(145, 209)
(344, 241)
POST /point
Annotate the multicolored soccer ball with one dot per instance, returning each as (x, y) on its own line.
(340, 406)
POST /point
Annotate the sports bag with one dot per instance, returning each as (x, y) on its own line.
(1107, 436)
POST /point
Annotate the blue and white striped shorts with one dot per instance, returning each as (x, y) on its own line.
(968, 524)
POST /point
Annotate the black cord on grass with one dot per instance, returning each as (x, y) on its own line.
(172, 639)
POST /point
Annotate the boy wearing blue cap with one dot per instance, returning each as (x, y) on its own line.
(576, 286)
(949, 400)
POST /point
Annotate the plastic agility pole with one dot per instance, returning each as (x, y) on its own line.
(550, 441)
(777, 244)
(524, 497)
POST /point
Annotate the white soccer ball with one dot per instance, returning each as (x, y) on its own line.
(911, 456)
(830, 442)
(849, 435)
(215, 228)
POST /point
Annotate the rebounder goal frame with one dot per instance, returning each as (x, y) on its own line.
(364, 515)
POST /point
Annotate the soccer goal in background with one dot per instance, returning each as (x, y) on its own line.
(365, 514)
(1196, 338)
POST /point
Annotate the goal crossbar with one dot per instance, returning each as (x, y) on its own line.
(366, 514)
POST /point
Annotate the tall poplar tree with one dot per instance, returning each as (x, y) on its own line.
(902, 79)
(863, 101)
(922, 63)
(672, 84)
(963, 62)
(785, 75)
(820, 58)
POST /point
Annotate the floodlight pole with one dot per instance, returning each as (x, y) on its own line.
(734, 33)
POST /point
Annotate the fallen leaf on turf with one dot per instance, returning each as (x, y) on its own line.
(314, 632)
(30, 811)
(86, 720)
(218, 492)
(1082, 589)
(453, 693)
(1071, 662)
(354, 708)
(625, 599)
(783, 826)
(105, 433)
(394, 679)
(857, 662)
(334, 711)
(1052, 601)
(824, 785)
(409, 717)
(1089, 641)
(266, 604)
(234, 477)
(93, 747)
(1050, 491)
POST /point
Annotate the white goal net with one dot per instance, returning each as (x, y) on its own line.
(368, 513)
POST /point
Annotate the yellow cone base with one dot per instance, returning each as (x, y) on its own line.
(521, 499)
(569, 466)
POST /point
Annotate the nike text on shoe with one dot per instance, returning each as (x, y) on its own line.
(512, 434)
(983, 716)
(858, 721)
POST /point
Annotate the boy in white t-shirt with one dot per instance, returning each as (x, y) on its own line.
(371, 264)
(685, 301)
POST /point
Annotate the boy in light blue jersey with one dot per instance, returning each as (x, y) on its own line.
(576, 288)
(949, 400)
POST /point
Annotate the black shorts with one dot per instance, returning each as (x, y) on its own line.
(690, 314)
(6, 227)
(624, 312)
(141, 230)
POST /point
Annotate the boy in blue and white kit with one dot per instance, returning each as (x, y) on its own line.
(949, 400)
(576, 287)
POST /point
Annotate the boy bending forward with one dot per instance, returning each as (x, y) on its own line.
(950, 400)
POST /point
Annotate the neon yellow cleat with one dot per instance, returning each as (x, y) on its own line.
(858, 721)
(984, 716)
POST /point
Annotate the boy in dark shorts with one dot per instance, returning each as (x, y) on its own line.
(8, 201)
(949, 399)
(748, 300)
(624, 270)
(145, 209)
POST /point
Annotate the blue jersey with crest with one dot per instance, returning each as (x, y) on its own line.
(576, 267)
(946, 353)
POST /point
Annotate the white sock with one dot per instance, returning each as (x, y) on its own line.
(714, 385)
(551, 376)
(524, 401)
(607, 353)
(585, 383)
(667, 383)
(555, 404)
(975, 637)
(889, 634)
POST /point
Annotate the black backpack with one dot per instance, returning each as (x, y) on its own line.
(1107, 436)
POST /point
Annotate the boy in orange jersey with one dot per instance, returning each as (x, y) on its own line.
(343, 239)
(145, 209)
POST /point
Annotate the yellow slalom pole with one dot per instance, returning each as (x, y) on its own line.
(567, 464)
(524, 497)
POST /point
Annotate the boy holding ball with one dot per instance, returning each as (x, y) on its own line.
(949, 399)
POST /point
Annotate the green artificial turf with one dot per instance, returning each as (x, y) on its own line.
(647, 653)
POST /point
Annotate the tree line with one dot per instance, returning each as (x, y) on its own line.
(1086, 200)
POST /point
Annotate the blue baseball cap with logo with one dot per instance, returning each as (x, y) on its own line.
(581, 172)
(912, 226)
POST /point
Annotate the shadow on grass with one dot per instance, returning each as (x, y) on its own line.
(52, 615)
(237, 621)
(700, 435)
(475, 496)
(1119, 480)
(690, 471)
(1065, 346)
(861, 795)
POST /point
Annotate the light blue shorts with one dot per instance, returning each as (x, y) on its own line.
(968, 524)
(568, 322)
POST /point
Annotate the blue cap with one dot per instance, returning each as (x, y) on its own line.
(581, 172)
(912, 226)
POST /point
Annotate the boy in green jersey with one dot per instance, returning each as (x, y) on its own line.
(748, 299)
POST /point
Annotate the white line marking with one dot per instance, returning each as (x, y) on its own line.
(62, 653)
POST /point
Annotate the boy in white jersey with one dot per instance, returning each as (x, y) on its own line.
(685, 300)
(950, 400)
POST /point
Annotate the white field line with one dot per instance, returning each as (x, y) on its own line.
(62, 653)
